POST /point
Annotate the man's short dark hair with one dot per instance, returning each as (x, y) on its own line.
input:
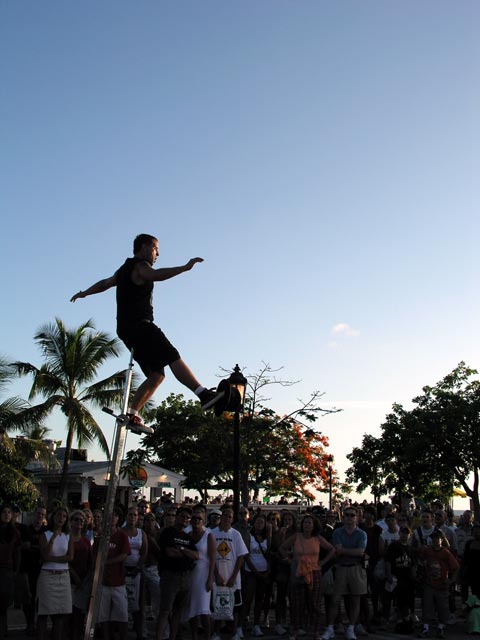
(140, 240)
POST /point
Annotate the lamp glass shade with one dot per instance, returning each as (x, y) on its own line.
(238, 381)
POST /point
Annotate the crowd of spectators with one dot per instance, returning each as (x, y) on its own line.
(315, 570)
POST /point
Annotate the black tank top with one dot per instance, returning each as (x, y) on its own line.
(134, 302)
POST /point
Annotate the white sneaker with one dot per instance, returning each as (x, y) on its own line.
(240, 633)
(256, 631)
(328, 634)
(279, 630)
(360, 630)
(350, 633)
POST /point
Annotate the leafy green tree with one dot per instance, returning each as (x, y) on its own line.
(190, 442)
(66, 380)
(278, 453)
(368, 466)
(430, 449)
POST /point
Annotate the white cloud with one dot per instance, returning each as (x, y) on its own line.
(345, 329)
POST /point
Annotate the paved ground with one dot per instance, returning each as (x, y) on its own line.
(16, 626)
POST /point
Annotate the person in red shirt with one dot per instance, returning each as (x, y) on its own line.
(113, 614)
(441, 569)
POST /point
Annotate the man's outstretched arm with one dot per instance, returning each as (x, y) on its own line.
(147, 273)
(98, 287)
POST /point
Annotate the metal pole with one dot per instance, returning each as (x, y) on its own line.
(236, 463)
(330, 487)
(102, 552)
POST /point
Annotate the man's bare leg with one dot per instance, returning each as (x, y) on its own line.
(146, 390)
(184, 375)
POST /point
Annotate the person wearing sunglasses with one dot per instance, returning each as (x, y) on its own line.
(350, 576)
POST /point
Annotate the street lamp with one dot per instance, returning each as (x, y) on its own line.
(234, 397)
(330, 471)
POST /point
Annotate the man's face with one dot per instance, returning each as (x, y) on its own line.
(440, 518)
(149, 523)
(243, 514)
(426, 520)
(404, 534)
(142, 507)
(350, 517)
(226, 519)
(40, 516)
(6, 515)
(182, 519)
(214, 520)
(149, 252)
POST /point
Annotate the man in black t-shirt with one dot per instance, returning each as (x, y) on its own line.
(399, 565)
(178, 559)
(30, 562)
(134, 282)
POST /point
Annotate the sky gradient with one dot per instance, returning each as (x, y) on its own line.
(323, 157)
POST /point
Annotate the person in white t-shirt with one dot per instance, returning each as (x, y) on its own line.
(231, 551)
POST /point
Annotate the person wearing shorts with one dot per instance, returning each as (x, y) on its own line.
(179, 554)
(113, 612)
(350, 576)
(134, 282)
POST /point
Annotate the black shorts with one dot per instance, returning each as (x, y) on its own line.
(151, 348)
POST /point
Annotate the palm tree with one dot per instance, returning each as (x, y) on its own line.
(66, 380)
(15, 454)
(10, 407)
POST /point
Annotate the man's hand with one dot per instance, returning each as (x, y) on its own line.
(78, 295)
(192, 262)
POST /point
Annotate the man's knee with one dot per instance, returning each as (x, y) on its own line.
(155, 378)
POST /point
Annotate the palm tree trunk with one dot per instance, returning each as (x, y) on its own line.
(62, 489)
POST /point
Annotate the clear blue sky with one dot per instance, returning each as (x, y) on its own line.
(323, 157)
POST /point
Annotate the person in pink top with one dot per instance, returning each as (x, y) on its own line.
(306, 574)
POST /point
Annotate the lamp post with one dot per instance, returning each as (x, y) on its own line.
(238, 385)
(330, 471)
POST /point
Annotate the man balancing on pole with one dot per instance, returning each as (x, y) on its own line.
(135, 327)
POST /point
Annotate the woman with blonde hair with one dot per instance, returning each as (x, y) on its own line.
(53, 589)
